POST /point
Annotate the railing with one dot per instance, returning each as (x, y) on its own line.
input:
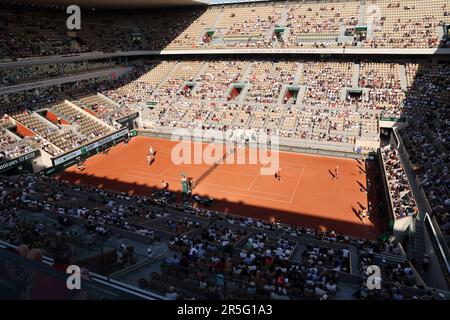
(439, 244)
(390, 207)
(44, 282)
(62, 80)
(174, 51)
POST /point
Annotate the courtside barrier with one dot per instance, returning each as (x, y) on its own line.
(73, 157)
(315, 148)
(97, 287)
(439, 245)
(390, 208)
(16, 162)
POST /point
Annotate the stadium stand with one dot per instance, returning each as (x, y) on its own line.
(253, 257)
(329, 105)
(40, 72)
(385, 24)
(402, 198)
(403, 24)
(426, 140)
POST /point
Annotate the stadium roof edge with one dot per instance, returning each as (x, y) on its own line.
(120, 3)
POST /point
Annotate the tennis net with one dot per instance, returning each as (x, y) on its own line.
(197, 181)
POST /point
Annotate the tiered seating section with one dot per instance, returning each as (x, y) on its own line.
(181, 72)
(228, 94)
(60, 138)
(406, 24)
(86, 116)
(401, 196)
(266, 80)
(12, 146)
(324, 80)
(209, 255)
(246, 26)
(214, 82)
(103, 108)
(88, 127)
(426, 139)
(318, 24)
(294, 24)
(384, 89)
(30, 33)
(196, 32)
(13, 76)
(65, 140)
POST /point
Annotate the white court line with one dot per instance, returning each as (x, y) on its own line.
(292, 195)
(153, 179)
(148, 173)
(233, 172)
(290, 166)
(165, 171)
(215, 184)
(298, 183)
(261, 166)
(243, 189)
(249, 196)
(154, 176)
(140, 172)
(249, 174)
(253, 182)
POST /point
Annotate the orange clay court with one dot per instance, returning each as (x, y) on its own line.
(306, 196)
